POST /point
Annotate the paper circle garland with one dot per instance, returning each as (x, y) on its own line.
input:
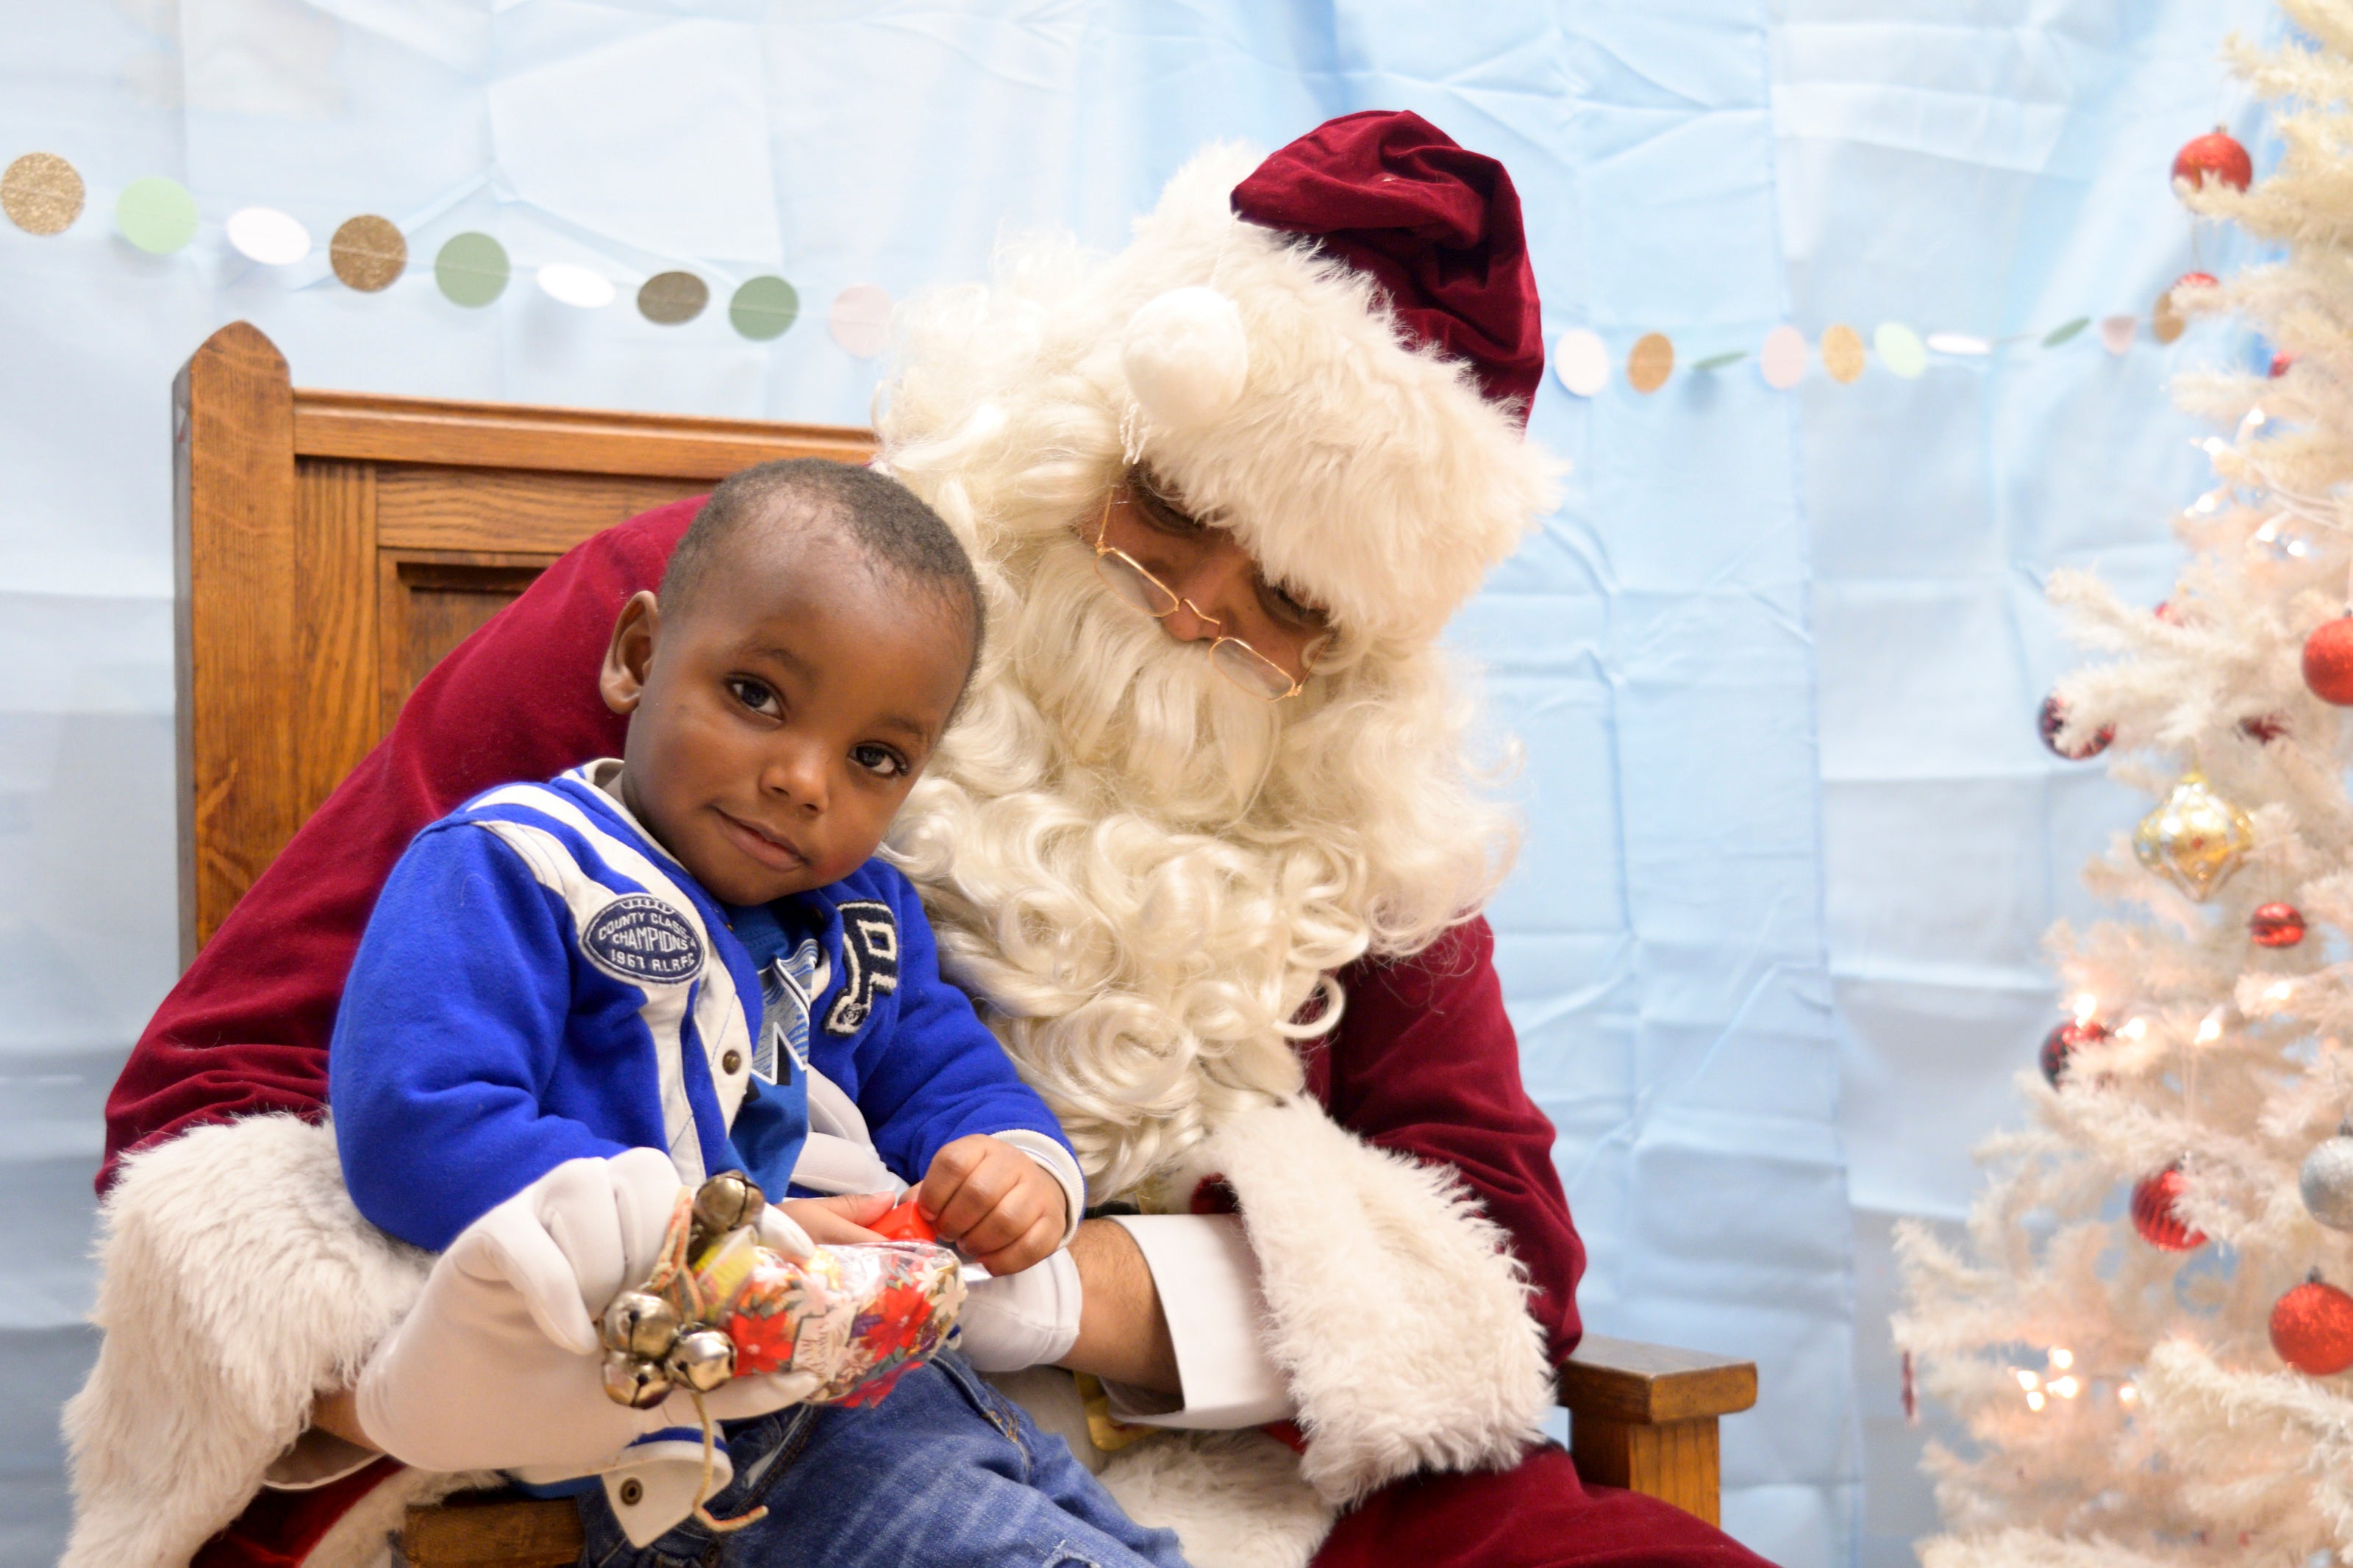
(575, 285)
(672, 299)
(2328, 661)
(367, 253)
(860, 318)
(1842, 354)
(41, 194)
(1900, 350)
(2117, 333)
(156, 215)
(267, 235)
(1581, 361)
(2153, 1216)
(2312, 1329)
(1650, 362)
(470, 269)
(1782, 360)
(764, 308)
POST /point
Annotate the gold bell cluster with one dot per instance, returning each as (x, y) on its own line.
(652, 1346)
(2195, 838)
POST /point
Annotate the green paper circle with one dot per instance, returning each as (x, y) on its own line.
(764, 308)
(1900, 348)
(156, 215)
(471, 269)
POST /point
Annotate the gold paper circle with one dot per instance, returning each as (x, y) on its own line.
(668, 298)
(41, 194)
(1652, 361)
(1842, 354)
(2166, 322)
(368, 253)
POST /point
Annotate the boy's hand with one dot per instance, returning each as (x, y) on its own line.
(996, 1202)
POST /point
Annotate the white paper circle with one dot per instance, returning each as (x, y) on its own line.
(2117, 332)
(267, 236)
(576, 285)
(1782, 360)
(1958, 344)
(860, 320)
(1581, 360)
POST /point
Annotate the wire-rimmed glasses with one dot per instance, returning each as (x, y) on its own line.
(1236, 660)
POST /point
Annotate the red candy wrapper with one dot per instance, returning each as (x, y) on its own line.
(855, 1318)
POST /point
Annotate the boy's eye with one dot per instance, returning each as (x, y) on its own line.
(880, 761)
(755, 695)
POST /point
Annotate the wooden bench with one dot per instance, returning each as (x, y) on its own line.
(332, 546)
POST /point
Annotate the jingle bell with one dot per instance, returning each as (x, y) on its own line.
(2194, 838)
(640, 1324)
(728, 1201)
(702, 1360)
(638, 1383)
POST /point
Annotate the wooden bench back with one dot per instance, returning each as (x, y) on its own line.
(332, 546)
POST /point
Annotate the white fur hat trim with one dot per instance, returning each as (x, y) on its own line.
(1186, 356)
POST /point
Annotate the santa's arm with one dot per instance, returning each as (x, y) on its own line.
(245, 1031)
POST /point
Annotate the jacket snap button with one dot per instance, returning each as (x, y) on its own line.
(633, 1492)
(732, 1062)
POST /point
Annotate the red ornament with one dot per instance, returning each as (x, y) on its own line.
(2216, 155)
(2276, 925)
(2311, 1328)
(2153, 1198)
(2263, 727)
(2054, 716)
(2062, 1042)
(2281, 361)
(2196, 280)
(2328, 661)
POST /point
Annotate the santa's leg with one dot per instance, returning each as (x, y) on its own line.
(1538, 1515)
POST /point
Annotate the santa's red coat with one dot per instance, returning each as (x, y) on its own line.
(1424, 1061)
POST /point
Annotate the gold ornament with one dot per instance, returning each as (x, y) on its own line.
(2194, 838)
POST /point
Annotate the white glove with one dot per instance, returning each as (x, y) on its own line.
(499, 1365)
(1030, 1318)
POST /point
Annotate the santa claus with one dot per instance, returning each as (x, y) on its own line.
(1208, 843)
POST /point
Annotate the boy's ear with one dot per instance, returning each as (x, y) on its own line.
(629, 656)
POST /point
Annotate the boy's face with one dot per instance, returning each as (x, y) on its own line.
(777, 721)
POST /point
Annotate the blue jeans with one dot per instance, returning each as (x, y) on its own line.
(944, 1471)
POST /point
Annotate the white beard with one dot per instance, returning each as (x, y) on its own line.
(1144, 872)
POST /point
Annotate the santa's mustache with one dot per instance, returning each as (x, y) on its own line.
(1130, 701)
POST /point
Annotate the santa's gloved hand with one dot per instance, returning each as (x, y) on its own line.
(1016, 1321)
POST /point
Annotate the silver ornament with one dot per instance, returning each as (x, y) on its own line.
(728, 1201)
(703, 1359)
(640, 1324)
(638, 1383)
(2326, 1182)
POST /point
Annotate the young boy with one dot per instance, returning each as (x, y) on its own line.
(663, 952)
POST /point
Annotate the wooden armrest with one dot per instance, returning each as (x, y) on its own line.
(1643, 1417)
(492, 1531)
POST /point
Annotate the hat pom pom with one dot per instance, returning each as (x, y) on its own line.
(1186, 356)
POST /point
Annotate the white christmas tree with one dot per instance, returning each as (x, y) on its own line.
(2162, 1377)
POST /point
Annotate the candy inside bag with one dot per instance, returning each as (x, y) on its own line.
(856, 1317)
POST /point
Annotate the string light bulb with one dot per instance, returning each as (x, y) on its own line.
(2210, 1029)
(2034, 1401)
(2061, 1357)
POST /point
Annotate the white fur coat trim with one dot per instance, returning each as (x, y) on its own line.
(1394, 1307)
(236, 1281)
(1234, 1499)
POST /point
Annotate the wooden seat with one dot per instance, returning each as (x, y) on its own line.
(332, 546)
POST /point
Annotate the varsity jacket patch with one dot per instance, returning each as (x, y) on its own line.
(869, 962)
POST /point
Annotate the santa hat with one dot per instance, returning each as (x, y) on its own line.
(1332, 351)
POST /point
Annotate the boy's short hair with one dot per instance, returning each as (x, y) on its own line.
(884, 521)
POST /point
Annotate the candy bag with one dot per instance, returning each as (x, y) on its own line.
(856, 1317)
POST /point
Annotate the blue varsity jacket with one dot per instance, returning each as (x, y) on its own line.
(540, 981)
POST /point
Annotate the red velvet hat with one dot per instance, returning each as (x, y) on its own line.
(1435, 225)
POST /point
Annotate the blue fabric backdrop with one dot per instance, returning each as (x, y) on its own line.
(1772, 948)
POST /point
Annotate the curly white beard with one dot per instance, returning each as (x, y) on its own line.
(1147, 873)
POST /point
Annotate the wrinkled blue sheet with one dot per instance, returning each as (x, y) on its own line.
(1772, 948)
